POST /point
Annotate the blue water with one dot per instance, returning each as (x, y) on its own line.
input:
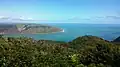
(74, 30)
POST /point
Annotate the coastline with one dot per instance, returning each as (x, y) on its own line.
(50, 33)
(35, 33)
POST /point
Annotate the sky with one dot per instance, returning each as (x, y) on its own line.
(82, 11)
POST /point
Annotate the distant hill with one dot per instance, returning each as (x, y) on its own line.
(27, 29)
(87, 40)
(116, 41)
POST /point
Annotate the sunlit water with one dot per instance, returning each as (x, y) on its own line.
(73, 30)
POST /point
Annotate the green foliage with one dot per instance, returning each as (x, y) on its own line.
(83, 41)
(86, 51)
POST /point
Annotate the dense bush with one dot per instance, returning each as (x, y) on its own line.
(86, 51)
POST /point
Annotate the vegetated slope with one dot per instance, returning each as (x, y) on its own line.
(8, 29)
(37, 28)
(27, 52)
(87, 40)
(27, 29)
(116, 41)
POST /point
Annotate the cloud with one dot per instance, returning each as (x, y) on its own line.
(113, 17)
(96, 19)
(106, 18)
(109, 17)
(15, 19)
(4, 18)
(78, 19)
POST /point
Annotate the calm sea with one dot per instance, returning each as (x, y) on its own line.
(74, 30)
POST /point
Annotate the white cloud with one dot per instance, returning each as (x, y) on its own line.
(97, 18)
(20, 19)
(110, 19)
(113, 17)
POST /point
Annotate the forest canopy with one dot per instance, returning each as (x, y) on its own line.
(85, 51)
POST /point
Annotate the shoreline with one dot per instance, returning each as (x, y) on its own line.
(35, 33)
(50, 33)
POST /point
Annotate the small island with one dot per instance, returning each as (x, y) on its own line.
(28, 29)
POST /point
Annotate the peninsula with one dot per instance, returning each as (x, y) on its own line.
(27, 29)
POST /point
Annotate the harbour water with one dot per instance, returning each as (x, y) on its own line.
(74, 30)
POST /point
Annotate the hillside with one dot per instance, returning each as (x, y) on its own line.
(91, 51)
(87, 40)
(116, 41)
(27, 29)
